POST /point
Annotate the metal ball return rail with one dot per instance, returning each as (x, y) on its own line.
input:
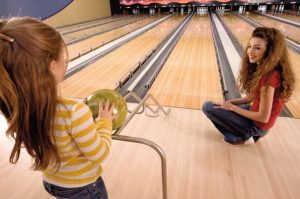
(155, 113)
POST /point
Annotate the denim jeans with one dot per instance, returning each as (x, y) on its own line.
(94, 190)
(233, 126)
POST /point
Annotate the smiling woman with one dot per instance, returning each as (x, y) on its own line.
(256, 50)
(267, 79)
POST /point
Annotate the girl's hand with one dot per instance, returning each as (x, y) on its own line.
(105, 111)
(224, 105)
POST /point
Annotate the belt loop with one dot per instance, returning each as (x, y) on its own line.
(51, 189)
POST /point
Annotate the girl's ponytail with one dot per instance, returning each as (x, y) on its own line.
(28, 92)
(8, 97)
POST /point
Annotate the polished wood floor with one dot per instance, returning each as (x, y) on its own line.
(199, 163)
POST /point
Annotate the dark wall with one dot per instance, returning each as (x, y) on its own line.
(36, 8)
(115, 7)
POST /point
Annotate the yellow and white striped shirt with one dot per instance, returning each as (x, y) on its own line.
(82, 144)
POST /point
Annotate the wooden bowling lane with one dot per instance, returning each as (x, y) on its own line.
(190, 76)
(242, 31)
(106, 72)
(99, 40)
(285, 16)
(294, 104)
(103, 27)
(83, 24)
(288, 30)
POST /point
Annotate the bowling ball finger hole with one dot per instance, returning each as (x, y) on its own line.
(114, 111)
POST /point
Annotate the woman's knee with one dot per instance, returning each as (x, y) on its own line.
(207, 106)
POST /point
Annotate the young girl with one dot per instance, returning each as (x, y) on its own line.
(58, 133)
(267, 79)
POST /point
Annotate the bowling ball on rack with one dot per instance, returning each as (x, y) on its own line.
(120, 106)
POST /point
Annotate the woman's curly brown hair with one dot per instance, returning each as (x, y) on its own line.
(276, 56)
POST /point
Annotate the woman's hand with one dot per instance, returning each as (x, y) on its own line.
(105, 111)
(224, 105)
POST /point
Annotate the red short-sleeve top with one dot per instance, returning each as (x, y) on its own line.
(274, 80)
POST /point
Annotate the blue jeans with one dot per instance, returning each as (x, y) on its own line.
(94, 190)
(233, 126)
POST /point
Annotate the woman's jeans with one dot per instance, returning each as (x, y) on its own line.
(233, 126)
(94, 190)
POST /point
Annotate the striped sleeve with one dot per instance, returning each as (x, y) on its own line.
(93, 140)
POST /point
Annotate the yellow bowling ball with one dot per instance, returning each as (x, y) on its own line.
(120, 106)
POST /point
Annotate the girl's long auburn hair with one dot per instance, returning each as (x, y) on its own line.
(28, 89)
(276, 57)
